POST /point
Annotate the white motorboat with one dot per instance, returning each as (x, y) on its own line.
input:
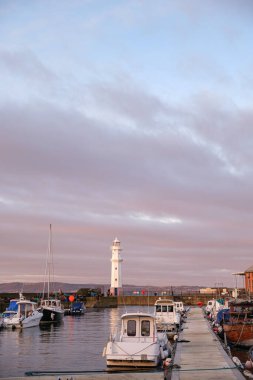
(137, 344)
(214, 306)
(25, 316)
(179, 307)
(167, 317)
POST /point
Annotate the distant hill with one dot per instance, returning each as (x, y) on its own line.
(16, 287)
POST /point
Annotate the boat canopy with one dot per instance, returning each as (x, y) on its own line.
(12, 306)
(223, 315)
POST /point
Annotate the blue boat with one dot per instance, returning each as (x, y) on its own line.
(77, 308)
(12, 309)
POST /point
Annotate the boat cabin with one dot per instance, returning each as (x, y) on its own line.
(165, 312)
(137, 327)
(50, 303)
(179, 306)
(210, 305)
(241, 309)
(26, 308)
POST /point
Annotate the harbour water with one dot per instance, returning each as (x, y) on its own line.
(75, 345)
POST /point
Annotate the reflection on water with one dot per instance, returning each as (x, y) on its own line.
(74, 345)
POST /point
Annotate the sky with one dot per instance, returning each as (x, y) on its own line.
(130, 119)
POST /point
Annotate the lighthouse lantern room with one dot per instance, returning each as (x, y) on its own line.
(116, 260)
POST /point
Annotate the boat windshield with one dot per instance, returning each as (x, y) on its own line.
(131, 327)
(145, 328)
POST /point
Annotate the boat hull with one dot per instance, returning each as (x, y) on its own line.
(16, 322)
(240, 334)
(132, 363)
(52, 316)
(122, 354)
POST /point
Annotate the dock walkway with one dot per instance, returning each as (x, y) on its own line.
(199, 353)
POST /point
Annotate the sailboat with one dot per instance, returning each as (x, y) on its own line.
(50, 306)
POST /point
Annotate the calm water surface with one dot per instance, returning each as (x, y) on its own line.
(75, 345)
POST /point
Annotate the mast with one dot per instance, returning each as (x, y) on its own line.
(49, 265)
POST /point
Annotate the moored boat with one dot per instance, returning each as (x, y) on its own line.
(51, 307)
(26, 315)
(236, 324)
(137, 344)
(52, 310)
(214, 306)
(167, 317)
(179, 307)
(77, 308)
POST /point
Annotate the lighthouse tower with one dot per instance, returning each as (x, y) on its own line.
(116, 281)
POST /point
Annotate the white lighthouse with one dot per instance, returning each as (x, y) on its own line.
(116, 280)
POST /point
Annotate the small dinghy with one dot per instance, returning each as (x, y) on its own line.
(137, 344)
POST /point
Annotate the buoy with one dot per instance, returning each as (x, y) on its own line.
(71, 298)
(249, 364)
(237, 361)
(167, 362)
(248, 374)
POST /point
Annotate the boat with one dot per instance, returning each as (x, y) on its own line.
(167, 317)
(179, 307)
(77, 308)
(25, 315)
(236, 323)
(137, 344)
(51, 307)
(214, 306)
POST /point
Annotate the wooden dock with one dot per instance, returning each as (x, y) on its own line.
(199, 353)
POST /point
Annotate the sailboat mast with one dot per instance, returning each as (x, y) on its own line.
(49, 259)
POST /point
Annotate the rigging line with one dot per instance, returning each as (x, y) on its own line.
(135, 353)
(240, 333)
(203, 369)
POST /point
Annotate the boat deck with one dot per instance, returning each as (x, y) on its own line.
(199, 353)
